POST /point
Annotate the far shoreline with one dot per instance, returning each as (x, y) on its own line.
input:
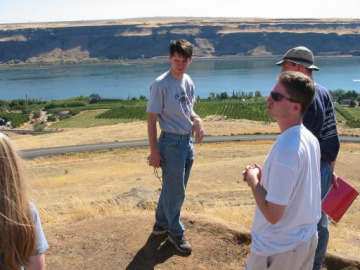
(149, 61)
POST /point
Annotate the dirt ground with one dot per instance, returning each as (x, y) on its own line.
(97, 209)
(125, 242)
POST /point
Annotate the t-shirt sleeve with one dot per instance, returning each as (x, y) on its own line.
(42, 245)
(281, 183)
(156, 99)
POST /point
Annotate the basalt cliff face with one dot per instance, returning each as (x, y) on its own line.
(149, 38)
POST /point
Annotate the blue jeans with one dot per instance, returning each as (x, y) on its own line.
(323, 224)
(177, 152)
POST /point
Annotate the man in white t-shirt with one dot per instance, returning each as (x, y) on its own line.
(287, 188)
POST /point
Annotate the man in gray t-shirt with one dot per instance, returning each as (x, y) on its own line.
(171, 102)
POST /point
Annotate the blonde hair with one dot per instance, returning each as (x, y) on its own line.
(18, 233)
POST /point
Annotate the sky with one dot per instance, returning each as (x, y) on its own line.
(26, 11)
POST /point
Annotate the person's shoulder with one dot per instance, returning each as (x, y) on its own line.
(307, 135)
(304, 130)
(289, 138)
(321, 89)
(33, 210)
(188, 79)
(162, 77)
(160, 81)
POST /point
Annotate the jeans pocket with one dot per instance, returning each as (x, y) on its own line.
(173, 142)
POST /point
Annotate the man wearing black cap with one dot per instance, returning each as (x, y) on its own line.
(320, 120)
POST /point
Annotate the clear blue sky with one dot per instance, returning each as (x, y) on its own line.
(20, 11)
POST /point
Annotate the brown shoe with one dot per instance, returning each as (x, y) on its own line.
(180, 243)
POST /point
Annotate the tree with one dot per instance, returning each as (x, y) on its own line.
(94, 98)
(257, 93)
(223, 95)
(352, 103)
(351, 94)
(212, 95)
(337, 94)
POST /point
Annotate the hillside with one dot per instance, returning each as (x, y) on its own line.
(97, 208)
(95, 41)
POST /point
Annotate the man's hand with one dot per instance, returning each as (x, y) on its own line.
(198, 130)
(334, 181)
(155, 160)
(252, 175)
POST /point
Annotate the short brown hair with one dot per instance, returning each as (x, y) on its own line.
(300, 88)
(182, 47)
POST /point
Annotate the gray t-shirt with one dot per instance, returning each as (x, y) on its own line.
(174, 101)
(42, 244)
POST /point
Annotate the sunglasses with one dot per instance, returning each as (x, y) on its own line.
(278, 97)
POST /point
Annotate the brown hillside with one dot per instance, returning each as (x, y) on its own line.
(118, 40)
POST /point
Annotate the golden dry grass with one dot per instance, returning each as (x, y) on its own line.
(214, 126)
(94, 185)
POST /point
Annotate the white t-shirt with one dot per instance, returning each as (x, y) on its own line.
(291, 177)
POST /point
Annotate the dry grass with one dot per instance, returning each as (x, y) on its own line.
(108, 131)
(94, 185)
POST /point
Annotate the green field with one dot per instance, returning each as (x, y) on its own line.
(88, 119)
(131, 110)
(236, 109)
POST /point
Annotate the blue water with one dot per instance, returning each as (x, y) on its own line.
(119, 81)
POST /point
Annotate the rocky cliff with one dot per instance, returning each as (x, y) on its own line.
(148, 38)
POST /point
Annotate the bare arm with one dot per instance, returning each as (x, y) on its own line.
(272, 212)
(37, 262)
(154, 158)
(197, 128)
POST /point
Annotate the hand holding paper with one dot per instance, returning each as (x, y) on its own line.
(338, 200)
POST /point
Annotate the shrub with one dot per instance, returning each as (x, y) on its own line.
(94, 98)
(52, 118)
(37, 114)
(16, 119)
(39, 127)
(352, 103)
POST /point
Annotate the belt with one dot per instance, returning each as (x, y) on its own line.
(175, 135)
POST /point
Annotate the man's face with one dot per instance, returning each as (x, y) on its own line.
(179, 64)
(289, 66)
(279, 108)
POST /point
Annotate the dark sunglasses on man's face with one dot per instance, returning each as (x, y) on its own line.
(278, 97)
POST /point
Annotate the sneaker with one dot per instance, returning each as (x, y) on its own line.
(159, 230)
(180, 243)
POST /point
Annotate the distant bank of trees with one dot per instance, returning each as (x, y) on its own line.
(341, 95)
(237, 104)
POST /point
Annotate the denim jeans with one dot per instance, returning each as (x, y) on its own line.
(323, 224)
(177, 152)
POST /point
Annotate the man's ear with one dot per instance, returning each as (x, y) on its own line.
(297, 107)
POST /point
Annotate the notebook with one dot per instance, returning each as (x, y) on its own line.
(337, 202)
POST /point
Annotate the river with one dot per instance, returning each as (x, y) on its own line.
(124, 81)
